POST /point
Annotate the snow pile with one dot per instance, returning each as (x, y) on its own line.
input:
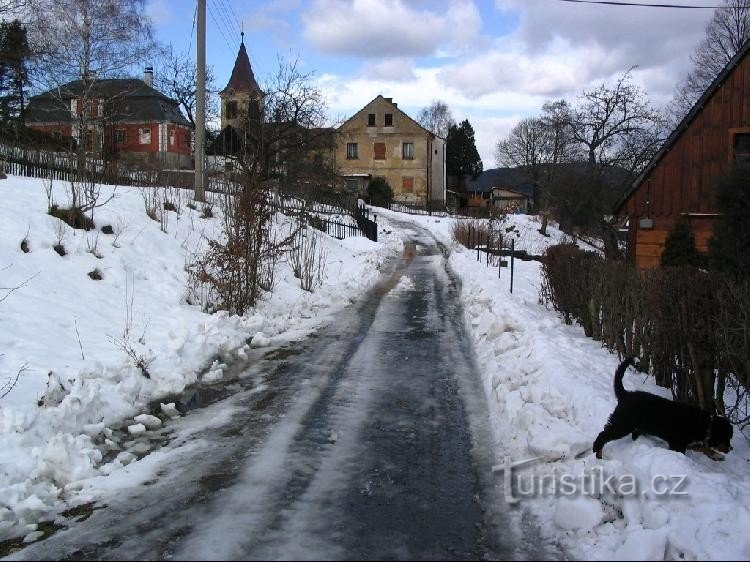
(78, 340)
(550, 393)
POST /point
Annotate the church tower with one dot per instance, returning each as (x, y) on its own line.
(242, 96)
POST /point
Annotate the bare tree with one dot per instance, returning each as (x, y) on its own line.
(175, 76)
(539, 146)
(615, 125)
(12, 7)
(437, 118)
(78, 42)
(284, 146)
(79, 38)
(726, 33)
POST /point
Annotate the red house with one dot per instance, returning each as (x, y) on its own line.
(125, 120)
(681, 178)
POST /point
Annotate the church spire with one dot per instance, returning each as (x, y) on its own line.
(243, 79)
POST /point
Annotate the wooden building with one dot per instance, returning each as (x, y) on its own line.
(681, 178)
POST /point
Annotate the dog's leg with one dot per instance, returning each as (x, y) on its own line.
(615, 429)
(709, 452)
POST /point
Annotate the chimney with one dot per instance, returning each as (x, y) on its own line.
(148, 76)
(389, 100)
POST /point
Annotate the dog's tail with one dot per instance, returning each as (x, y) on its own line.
(619, 374)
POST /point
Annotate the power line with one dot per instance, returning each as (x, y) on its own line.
(219, 27)
(644, 5)
(232, 22)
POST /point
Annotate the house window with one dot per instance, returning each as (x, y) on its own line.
(379, 149)
(351, 151)
(120, 136)
(231, 110)
(352, 185)
(145, 135)
(408, 151)
(371, 120)
(389, 119)
(407, 184)
(742, 147)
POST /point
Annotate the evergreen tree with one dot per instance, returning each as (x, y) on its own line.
(462, 157)
(379, 192)
(14, 53)
(679, 248)
(729, 249)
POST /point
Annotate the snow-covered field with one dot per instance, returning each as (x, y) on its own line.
(67, 332)
(550, 393)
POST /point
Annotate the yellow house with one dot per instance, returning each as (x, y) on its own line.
(382, 141)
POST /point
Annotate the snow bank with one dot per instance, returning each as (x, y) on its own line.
(67, 331)
(550, 393)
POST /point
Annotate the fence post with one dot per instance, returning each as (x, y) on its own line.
(512, 262)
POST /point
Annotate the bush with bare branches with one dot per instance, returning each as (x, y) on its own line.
(307, 257)
(690, 328)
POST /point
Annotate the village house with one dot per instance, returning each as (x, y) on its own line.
(681, 178)
(125, 120)
(380, 140)
(505, 189)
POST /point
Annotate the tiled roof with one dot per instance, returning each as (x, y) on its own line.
(130, 100)
(242, 79)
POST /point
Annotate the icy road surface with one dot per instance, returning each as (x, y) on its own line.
(368, 440)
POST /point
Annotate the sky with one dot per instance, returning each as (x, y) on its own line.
(492, 62)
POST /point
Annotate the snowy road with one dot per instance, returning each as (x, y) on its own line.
(367, 440)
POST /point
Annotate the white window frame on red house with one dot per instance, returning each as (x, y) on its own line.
(143, 134)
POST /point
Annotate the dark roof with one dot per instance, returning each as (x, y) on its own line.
(685, 123)
(130, 99)
(242, 79)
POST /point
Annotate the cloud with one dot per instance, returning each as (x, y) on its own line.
(396, 70)
(635, 36)
(392, 28)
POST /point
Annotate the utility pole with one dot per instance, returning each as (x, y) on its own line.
(200, 102)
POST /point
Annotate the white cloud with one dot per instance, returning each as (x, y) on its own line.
(392, 28)
(396, 70)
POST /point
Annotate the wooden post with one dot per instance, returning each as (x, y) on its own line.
(512, 262)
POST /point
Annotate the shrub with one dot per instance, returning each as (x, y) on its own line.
(379, 192)
(473, 233)
(207, 212)
(728, 249)
(689, 327)
(679, 248)
(73, 217)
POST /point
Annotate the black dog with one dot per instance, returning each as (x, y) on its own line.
(680, 425)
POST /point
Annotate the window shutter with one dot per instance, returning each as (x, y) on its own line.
(379, 151)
